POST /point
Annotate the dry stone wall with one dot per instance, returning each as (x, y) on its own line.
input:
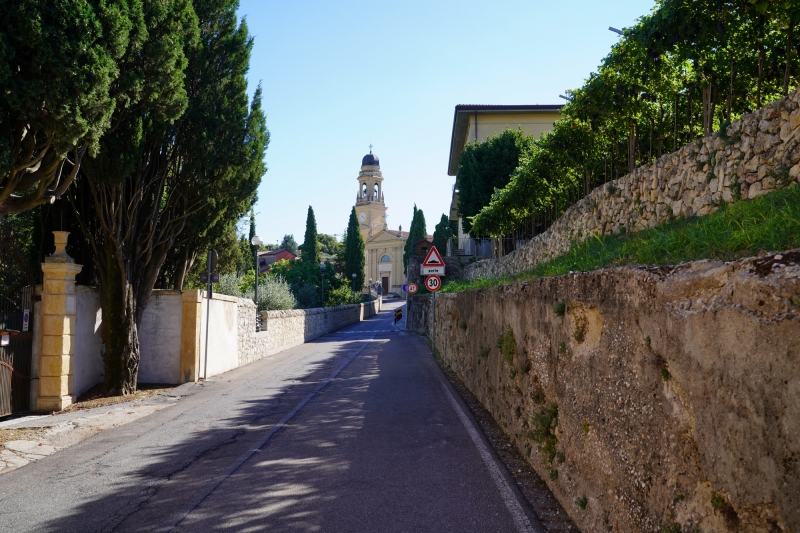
(755, 155)
(648, 399)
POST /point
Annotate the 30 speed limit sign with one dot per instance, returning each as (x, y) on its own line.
(412, 288)
(433, 283)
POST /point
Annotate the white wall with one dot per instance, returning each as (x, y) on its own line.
(87, 361)
(160, 338)
(232, 341)
(223, 335)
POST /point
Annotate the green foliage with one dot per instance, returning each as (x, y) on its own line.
(683, 71)
(305, 280)
(441, 234)
(354, 257)
(559, 308)
(769, 222)
(289, 244)
(62, 74)
(311, 246)
(537, 394)
(416, 233)
(273, 292)
(665, 375)
(484, 167)
(329, 246)
(542, 432)
(553, 474)
(507, 345)
(581, 502)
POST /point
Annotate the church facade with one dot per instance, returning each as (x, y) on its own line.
(384, 247)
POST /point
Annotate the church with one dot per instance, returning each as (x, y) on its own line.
(384, 247)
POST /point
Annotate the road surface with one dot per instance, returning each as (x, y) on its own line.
(358, 430)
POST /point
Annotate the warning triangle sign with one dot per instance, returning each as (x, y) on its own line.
(433, 259)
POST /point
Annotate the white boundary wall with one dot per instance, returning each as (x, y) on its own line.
(233, 341)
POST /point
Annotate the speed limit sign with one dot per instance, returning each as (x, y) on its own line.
(412, 288)
(433, 283)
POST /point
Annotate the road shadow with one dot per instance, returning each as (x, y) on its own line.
(151, 476)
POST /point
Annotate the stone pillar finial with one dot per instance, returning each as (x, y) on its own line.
(59, 317)
(60, 255)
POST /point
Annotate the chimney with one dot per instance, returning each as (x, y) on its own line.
(400, 228)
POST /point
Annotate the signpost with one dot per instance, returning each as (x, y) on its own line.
(412, 288)
(209, 278)
(433, 263)
(433, 283)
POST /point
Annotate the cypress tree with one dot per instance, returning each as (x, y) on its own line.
(441, 234)
(416, 233)
(311, 247)
(354, 258)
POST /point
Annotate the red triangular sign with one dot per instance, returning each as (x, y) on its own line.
(433, 259)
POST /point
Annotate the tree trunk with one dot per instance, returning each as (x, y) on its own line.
(787, 74)
(761, 54)
(632, 148)
(120, 334)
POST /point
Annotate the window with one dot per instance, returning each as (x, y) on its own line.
(386, 259)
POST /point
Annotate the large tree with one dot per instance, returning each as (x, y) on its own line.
(354, 256)
(311, 246)
(416, 233)
(484, 167)
(222, 140)
(132, 199)
(61, 80)
(441, 234)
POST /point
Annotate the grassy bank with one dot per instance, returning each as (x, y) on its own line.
(769, 222)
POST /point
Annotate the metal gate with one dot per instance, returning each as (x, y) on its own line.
(16, 319)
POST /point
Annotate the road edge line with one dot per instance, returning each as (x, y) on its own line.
(507, 493)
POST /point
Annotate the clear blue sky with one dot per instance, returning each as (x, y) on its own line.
(338, 76)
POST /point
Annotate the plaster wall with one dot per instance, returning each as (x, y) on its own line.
(668, 398)
(223, 337)
(489, 124)
(88, 358)
(233, 340)
(160, 338)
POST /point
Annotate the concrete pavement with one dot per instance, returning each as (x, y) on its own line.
(356, 431)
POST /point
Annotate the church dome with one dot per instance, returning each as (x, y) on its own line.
(370, 159)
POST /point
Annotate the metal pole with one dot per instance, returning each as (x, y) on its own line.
(256, 289)
(434, 324)
(208, 316)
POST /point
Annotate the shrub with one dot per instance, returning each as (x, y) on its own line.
(507, 345)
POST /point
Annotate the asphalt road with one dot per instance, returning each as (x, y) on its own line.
(356, 431)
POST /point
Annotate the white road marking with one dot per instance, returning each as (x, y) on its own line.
(198, 498)
(506, 492)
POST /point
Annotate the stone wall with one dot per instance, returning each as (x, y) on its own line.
(659, 396)
(289, 328)
(759, 153)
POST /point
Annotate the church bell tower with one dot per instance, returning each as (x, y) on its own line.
(370, 209)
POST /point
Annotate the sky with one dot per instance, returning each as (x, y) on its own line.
(339, 76)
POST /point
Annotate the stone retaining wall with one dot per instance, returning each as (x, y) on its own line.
(648, 399)
(759, 153)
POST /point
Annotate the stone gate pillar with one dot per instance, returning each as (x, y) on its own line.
(59, 308)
